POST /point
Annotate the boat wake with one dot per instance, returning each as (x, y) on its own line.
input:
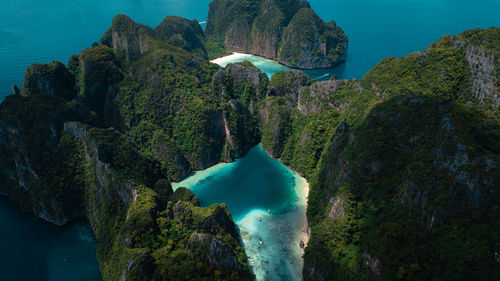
(322, 76)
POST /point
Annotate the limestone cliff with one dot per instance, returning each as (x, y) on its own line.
(39, 163)
(96, 138)
(51, 79)
(287, 31)
(402, 165)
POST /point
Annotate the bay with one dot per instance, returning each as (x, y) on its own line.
(33, 31)
(267, 201)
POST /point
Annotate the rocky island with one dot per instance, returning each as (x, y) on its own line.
(287, 31)
(403, 164)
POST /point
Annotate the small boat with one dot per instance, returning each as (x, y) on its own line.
(269, 211)
(260, 241)
(260, 218)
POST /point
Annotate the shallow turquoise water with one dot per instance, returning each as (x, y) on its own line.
(42, 31)
(250, 187)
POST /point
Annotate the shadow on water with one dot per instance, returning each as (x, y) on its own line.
(33, 249)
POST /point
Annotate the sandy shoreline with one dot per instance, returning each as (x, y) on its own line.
(302, 190)
(225, 60)
(282, 229)
(199, 175)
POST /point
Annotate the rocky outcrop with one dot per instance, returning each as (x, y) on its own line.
(483, 68)
(286, 31)
(242, 81)
(129, 39)
(69, 156)
(15, 90)
(98, 74)
(308, 43)
(406, 154)
(38, 164)
(182, 33)
(288, 83)
(324, 95)
(275, 126)
(214, 251)
(52, 80)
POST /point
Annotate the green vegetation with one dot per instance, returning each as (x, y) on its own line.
(402, 167)
(285, 30)
(215, 48)
(140, 119)
(52, 79)
(402, 164)
(307, 37)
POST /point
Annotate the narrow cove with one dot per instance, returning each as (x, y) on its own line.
(250, 187)
(270, 67)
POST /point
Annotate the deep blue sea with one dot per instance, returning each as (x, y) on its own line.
(34, 250)
(34, 31)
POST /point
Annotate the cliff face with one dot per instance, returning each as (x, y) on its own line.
(135, 224)
(307, 42)
(169, 94)
(95, 139)
(402, 165)
(39, 163)
(286, 31)
(51, 80)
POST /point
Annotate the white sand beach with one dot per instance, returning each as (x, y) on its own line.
(302, 189)
(223, 61)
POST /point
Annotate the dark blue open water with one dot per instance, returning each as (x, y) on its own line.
(34, 250)
(41, 31)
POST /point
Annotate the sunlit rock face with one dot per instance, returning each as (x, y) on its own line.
(287, 31)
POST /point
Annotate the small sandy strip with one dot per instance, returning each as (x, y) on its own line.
(227, 59)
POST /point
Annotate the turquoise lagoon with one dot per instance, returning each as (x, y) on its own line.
(251, 187)
(33, 31)
(270, 67)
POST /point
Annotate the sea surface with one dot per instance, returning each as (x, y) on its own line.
(34, 31)
(41, 31)
(34, 250)
(254, 187)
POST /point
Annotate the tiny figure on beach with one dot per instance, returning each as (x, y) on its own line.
(269, 211)
(253, 264)
(260, 218)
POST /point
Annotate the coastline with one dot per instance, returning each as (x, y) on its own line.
(302, 190)
(284, 229)
(199, 175)
(223, 61)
